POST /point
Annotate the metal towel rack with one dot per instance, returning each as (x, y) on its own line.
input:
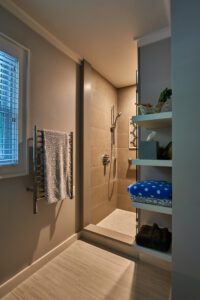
(38, 167)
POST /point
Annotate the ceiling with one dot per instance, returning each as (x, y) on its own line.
(101, 31)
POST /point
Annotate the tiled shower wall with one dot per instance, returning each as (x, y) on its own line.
(126, 172)
(104, 95)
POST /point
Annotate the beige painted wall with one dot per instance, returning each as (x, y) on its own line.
(104, 95)
(25, 237)
(126, 173)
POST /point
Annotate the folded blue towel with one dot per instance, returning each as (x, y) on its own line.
(153, 201)
(151, 188)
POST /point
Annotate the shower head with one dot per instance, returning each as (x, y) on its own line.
(118, 115)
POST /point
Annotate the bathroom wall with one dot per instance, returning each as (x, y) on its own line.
(52, 99)
(186, 145)
(126, 172)
(104, 95)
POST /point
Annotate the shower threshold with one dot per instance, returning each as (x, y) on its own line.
(116, 233)
(119, 226)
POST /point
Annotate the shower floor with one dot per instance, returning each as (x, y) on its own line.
(121, 221)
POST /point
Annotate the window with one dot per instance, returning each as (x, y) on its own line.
(9, 105)
(13, 108)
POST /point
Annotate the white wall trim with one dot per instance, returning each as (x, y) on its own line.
(9, 285)
(13, 41)
(34, 25)
(153, 37)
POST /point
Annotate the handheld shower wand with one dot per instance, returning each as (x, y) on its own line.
(118, 115)
(113, 126)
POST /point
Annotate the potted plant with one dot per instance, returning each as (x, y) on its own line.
(149, 109)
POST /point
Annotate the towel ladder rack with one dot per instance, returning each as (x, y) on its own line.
(38, 167)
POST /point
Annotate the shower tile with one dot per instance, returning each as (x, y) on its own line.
(96, 155)
(124, 202)
(97, 118)
(97, 137)
(112, 204)
(104, 96)
(98, 176)
(127, 98)
(98, 195)
(125, 169)
(122, 185)
(123, 124)
(98, 101)
(128, 107)
(123, 140)
(103, 193)
(99, 212)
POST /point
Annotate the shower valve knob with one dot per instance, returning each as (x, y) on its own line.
(105, 159)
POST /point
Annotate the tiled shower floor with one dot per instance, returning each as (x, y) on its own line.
(120, 221)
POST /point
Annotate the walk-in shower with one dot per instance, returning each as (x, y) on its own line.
(109, 208)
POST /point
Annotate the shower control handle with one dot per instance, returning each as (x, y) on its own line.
(105, 159)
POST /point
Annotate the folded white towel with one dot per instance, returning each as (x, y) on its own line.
(56, 180)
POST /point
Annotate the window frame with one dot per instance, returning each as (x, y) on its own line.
(22, 54)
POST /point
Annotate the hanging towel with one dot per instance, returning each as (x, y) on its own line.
(56, 180)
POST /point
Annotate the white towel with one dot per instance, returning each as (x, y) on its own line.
(56, 183)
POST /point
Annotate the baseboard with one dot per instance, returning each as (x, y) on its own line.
(10, 284)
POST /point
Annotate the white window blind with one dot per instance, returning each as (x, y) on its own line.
(9, 109)
(14, 62)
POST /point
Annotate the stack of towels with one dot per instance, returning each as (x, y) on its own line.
(155, 192)
(154, 237)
